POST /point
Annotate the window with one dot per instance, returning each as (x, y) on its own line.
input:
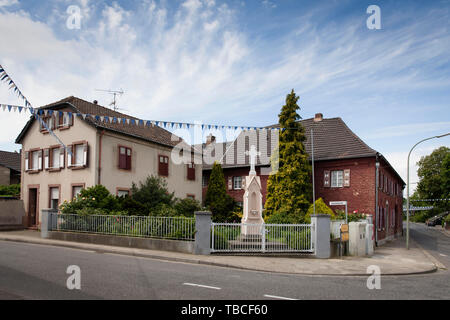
(123, 192)
(190, 196)
(77, 155)
(63, 120)
(163, 168)
(191, 171)
(54, 156)
(76, 190)
(337, 179)
(54, 197)
(36, 160)
(124, 158)
(237, 183)
(205, 181)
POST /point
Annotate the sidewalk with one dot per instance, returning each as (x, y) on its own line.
(392, 258)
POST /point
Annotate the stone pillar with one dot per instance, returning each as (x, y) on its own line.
(320, 235)
(48, 217)
(202, 233)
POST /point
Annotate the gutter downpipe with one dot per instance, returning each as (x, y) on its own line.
(100, 157)
(377, 166)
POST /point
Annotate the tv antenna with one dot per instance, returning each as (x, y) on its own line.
(114, 93)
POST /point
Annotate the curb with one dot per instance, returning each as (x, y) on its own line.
(435, 261)
(118, 251)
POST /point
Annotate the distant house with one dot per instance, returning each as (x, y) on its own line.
(9, 168)
(111, 154)
(345, 170)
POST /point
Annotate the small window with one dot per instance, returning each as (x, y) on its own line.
(163, 168)
(35, 160)
(237, 183)
(55, 157)
(76, 190)
(191, 171)
(190, 196)
(54, 198)
(205, 180)
(123, 193)
(124, 158)
(337, 179)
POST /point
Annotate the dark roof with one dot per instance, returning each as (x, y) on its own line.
(10, 160)
(149, 133)
(333, 140)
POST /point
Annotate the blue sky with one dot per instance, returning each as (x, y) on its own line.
(233, 62)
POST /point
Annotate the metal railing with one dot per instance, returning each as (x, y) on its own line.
(178, 228)
(241, 237)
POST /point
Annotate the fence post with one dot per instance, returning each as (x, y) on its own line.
(321, 235)
(202, 233)
(47, 221)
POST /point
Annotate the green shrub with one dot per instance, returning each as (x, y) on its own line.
(94, 200)
(321, 208)
(187, 207)
(152, 193)
(10, 190)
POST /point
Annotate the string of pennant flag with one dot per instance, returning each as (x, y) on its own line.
(129, 121)
(39, 113)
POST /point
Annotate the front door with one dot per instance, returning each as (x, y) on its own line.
(32, 207)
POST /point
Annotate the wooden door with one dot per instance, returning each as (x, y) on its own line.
(32, 206)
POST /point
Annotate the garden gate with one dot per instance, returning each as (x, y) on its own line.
(265, 238)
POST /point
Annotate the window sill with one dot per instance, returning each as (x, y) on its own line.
(64, 128)
(77, 167)
(54, 169)
(33, 171)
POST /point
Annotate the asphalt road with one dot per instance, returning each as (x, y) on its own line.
(433, 240)
(29, 271)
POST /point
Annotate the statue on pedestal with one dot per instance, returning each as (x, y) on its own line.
(252, 198)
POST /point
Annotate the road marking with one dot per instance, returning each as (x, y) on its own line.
(443, 255)
(277, 297)
(201, 286)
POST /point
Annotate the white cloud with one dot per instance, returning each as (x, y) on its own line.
(7, 3)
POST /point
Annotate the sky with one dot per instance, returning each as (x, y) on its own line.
(234, 62)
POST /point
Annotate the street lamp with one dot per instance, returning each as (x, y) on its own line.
(407, 186)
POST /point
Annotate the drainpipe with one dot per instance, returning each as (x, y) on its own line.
(100, 157)
(377, 166)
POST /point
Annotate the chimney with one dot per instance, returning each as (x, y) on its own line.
(318, 117)
(210, 139)
(95, 102)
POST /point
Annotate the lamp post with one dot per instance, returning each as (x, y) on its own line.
(407, 186)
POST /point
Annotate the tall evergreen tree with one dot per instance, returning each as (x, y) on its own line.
(217, 199)
(289, 191)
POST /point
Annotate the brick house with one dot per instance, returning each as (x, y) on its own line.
(112, 154)
(346, 169)
(9, 168)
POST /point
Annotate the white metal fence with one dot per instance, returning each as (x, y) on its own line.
(158, 227)
(240, 237)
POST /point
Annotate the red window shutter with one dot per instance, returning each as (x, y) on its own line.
(128, 159)
(326, 178)
(122, 158)
(191, 171)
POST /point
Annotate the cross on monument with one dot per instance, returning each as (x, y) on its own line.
(253, 154)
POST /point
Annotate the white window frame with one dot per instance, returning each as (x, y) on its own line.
(337, 179)
(237, 183)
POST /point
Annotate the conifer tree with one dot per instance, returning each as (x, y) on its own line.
(289, 191)
(217, 199)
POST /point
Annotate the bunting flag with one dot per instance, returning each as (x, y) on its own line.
(38, 113)
(132, 122)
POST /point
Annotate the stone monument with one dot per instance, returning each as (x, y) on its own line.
(252, 201)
